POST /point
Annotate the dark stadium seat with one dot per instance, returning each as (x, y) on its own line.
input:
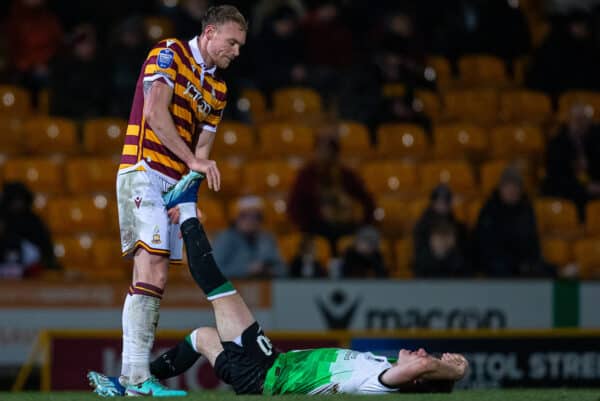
(557, 251)
(401, 141)
(510, 141)
(234, 139)
(393, 90)
(479, 106)
(51, 135)
(428, 102)
(557, 217)
(587, 256)
(397, 217)
(39, 174)
(404, 253)
(107, 262)
(91, 175)
(253, 102)
(74, 251)
(231, 177)
(443, 71)
(457, 174)
(275, 215)
(481, 70)
(354, 140)
(297, 103)
(11, 138)
(592, 218)
(104, 136)
(525, 106)
(279, 139)
(158, 27)
(14, 101)
(569, 98)
(459, 140)
(384, 177)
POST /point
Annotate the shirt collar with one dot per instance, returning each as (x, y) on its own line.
(193, 43)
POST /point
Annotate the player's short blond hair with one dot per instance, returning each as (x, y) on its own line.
(219, 15)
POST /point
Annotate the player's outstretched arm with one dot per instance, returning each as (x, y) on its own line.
(412, 366)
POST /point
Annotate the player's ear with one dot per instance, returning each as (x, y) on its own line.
(210, 31)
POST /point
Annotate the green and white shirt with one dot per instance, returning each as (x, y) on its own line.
(326, 371)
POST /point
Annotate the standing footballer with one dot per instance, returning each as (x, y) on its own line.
(178, 103)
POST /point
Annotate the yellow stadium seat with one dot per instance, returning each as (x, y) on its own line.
(401, 141)
(556, 217)
(104, 136)
(90, 175)
(587, 256)
(40, 175)
(285, 139)
(556, 251)
(428, 102)
(50, 135)
(107, 260)
(297, 103)
(490, 174)
(231, 177)
(592, 218)
(263, 177)
(570, 98)
(457, 174)
(520, 66)
(510, 141)
(393, 90)
(442, 72)
(479, 106)
(234, 139)
(458, 140)
(11, 139)
(523, 105)
(14, 101)
(275, 215)
(404, 251)
(390, 177)
(79, 214)
(158, 28)
(290, 244)
(482, 70)
(43, 107)
(253, 102)
(74, 252)
(212, 214)
(354, 139)
(396, 217)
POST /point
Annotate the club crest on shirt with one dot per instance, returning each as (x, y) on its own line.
(156, 236)
(164, 58)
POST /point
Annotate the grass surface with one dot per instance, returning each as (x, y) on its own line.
(468, 395)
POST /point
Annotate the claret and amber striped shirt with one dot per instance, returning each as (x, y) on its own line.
(199, 98)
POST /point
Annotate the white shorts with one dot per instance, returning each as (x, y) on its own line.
(143, 219)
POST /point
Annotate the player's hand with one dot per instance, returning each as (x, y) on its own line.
(173, 214)
(458, 361)
(210, 170)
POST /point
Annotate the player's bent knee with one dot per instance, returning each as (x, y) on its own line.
(208, 343)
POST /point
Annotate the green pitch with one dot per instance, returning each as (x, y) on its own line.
(470, 395)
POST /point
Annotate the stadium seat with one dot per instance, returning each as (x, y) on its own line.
(354, 140)
(263, 177)
(401, 141)
(104, 136)
(404, 251)
(479, 106)
(525, 106)
(213, 215)
(457, 174)
(289, 246)
(158, 28)
(51, 135)
(43, 107)
(592, 218)
(557, 217)
(490, 174)
(108, 264)
(91, 175)
(472, 210)
(556, 251)
(570, 98)
(234, 139)
(11, 139)
(285, 139)
(15, 102)
(520, 66)
(390, 177)
(459, 140)
(480, 70)
(74, 252)
(253, 102)
(442, 72)
(231, 177)
(396, 217)
(297, 103)
(587, 256)
(79, 214)
(510, 141)
(39, 174)
(428, 102)
(275, 215)
(393, 90)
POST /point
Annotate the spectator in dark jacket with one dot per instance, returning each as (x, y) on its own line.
(440, 240)
(305, 264)
(364, 257)
(573, 160)
(328, 198)
(506, 232)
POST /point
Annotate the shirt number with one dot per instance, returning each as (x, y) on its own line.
(265, 345)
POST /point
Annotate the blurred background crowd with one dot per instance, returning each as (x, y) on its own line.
(361, 139)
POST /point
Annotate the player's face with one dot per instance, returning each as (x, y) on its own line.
(225, 42)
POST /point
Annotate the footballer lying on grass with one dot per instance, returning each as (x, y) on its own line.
(243, 357)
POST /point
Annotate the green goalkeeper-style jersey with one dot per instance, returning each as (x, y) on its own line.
(326, 371)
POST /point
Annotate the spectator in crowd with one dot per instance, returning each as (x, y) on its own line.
(79, 78)
(18, 257)
(364, 258)
(264, 9)
(305, 264)
(507, 242)
(245, 250)
(20, 220)
(440, 240)
(188, 18)
(129, 51)
(328, 198)
(573, 160)
(34, 35)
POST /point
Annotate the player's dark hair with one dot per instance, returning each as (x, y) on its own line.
(219, 15)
